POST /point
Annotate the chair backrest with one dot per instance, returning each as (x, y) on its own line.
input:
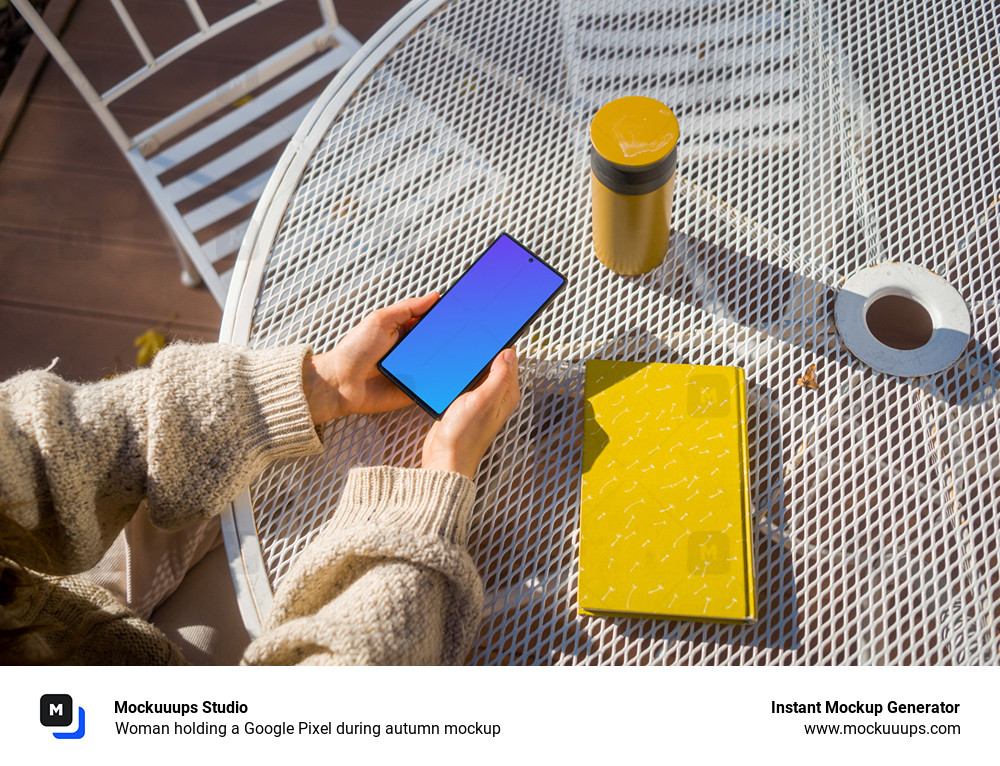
(150, 139)
(207, 162)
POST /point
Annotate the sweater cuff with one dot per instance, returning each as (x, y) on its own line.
(285, 428)
(429, 502)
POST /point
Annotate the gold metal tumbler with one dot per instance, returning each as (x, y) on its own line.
(633, 163)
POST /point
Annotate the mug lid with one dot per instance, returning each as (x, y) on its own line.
(634, 132)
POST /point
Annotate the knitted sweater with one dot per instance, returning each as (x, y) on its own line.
(386, 581)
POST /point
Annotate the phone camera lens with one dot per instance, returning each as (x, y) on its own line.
(531, 260)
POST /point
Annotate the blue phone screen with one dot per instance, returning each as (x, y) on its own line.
(472, 323)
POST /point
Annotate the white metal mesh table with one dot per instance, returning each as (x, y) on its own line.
(817, 139)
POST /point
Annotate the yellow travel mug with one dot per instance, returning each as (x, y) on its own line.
(633, 163)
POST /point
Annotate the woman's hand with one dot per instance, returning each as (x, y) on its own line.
(459, 440)
(345, 381)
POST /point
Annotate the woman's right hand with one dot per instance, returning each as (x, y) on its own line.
(346, 381)
(459, 440)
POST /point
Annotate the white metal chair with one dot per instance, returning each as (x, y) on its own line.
(209, 231)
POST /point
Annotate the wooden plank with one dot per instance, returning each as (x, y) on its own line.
(365, 18)
(168, 91)
(61, 201)
(83, 255)
(164, 25)
(192, 46)
(209, 67)
(84, 272)
(96, 40)
(42, 137)
(15, 92)
(88, 347)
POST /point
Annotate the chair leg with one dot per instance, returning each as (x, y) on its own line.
(189, 274)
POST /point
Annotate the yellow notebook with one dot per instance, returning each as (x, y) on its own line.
(665, 499)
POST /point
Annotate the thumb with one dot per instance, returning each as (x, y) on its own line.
(502, 376)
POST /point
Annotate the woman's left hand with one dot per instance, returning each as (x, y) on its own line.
(345, 381)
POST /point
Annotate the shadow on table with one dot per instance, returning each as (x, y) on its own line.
(731, 285)
(973, 381)
(776, 301)
(552, 610)
(794, 308)
(768, 299)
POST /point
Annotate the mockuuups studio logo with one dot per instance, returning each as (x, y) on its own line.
(57, 710)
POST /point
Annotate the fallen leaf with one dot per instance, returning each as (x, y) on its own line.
(147, 345)
(808, 380)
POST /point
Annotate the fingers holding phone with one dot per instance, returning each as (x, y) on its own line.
(345, 381)
(485, 310)
(459, 440)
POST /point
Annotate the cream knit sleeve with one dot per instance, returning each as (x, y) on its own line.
(187, 434)
(387, 581)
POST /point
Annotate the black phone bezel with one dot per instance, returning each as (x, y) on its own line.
(420, 402)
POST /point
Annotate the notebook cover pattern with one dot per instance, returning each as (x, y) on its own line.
(665, 502)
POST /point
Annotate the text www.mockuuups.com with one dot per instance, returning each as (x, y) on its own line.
(896, 729)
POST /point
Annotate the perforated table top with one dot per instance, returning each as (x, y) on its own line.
(816, 139)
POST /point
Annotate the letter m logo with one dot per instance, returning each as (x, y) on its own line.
(56, 710)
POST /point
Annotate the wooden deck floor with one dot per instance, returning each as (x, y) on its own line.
(85, 264)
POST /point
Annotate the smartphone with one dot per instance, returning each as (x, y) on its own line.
(483, 313)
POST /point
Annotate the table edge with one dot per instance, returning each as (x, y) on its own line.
(243, 551)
